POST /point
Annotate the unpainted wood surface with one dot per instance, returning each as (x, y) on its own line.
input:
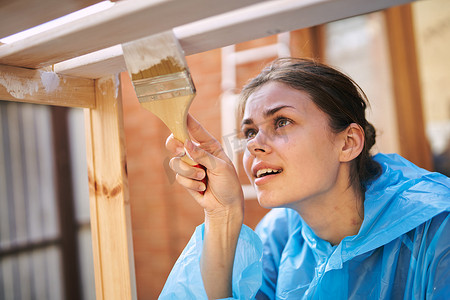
(123, 22)
(408, 98)
(109, 195)
(248, 23)
(18, 15)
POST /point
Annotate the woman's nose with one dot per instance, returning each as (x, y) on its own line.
(258, 144)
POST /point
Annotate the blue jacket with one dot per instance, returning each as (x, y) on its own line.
(402, 250)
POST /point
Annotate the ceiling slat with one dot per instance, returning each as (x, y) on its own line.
(125, 21)
(270, 18)
(18, 15)
(257, 21)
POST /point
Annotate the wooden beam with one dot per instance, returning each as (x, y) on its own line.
(411, 127)
(19, 15)
(269, 18)
(109, 196)
(123, 22)
(256, 21)
(45, 87)
(308, 42)
(94, 65)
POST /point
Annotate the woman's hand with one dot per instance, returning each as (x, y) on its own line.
(223, 192)
(222, 202)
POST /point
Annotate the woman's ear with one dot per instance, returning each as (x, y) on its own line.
(353, 137)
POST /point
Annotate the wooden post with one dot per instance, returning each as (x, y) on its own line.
(109, 196)
(309, 42)
(408, 99)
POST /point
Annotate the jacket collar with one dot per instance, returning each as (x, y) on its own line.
(400, 199)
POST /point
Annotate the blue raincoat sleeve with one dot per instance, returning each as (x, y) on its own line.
(185, 280)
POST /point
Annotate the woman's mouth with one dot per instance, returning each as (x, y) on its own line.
(267, 171)
(265, 175)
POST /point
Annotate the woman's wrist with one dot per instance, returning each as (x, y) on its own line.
(225, 225)
(228, 215)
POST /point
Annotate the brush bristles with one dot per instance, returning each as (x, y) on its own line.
(166, 66)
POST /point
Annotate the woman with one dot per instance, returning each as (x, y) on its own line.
(344, 224)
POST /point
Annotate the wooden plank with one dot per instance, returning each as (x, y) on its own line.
(413, 141)
(270, 18)
(45, 87)
(256, 21)
(18, 15)
(109, 196)
(94, 65)
(123, 22)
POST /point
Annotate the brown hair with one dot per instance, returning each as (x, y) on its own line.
(334, 93)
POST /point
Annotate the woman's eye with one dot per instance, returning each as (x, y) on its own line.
(282, 122)
(250, 133)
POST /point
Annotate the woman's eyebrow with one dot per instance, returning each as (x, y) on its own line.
(248, 121)
(272, 111)
(269, 112)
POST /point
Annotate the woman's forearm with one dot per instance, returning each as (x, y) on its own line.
(222, 200)
(219, 247)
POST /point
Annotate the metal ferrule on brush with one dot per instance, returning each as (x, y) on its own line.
(164, 87)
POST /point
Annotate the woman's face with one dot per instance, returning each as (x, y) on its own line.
(292, 156)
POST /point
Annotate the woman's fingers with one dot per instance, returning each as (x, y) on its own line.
(223, 189)
(186, 170)
(174, 146)
(190, 184)
(188, 176)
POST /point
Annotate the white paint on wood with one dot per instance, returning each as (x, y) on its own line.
(50, 81)
(144, 53)
(45, 87)
(18, 87)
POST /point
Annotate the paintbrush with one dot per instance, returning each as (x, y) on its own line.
(162, 81)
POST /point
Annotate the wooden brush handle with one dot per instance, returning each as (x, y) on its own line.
(173, 112)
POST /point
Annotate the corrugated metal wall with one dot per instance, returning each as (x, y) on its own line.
(31, 236)
(30, 265)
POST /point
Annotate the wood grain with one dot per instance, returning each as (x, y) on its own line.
(414, 144)
(45, 87)
(248, 23)
(125, 21)
(109, 196)
(18, 15)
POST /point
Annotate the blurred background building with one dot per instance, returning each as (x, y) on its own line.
(399, 57)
